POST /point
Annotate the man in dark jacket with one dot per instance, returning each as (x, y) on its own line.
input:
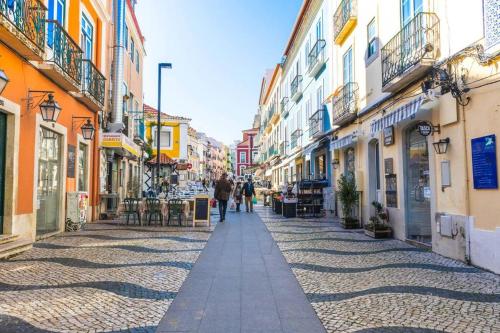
(248, 191)
(222, 194)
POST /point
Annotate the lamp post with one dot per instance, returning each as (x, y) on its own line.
(158, 124)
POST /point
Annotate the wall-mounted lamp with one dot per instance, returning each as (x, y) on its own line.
(336, 163)
(49, 108)
(4, 80)
(441, 147)
(88, 128)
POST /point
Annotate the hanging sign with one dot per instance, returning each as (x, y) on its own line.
(484, 162)
(425, 128)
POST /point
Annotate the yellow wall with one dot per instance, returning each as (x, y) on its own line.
(175, 151)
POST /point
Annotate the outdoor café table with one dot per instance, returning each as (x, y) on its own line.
(187, 208)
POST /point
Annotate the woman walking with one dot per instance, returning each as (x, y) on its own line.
(238, 197)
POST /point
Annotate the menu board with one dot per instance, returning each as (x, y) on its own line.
(391, 191)
(484, 162)
(202, 209)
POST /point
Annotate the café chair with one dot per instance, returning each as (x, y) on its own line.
(153, 209)
(175, 209)
(132, 208)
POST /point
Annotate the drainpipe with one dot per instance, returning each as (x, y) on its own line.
(468, 258)
(116, 124)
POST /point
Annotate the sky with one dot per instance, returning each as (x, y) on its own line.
(219, 50)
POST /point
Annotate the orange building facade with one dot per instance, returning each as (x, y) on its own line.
(51, 50)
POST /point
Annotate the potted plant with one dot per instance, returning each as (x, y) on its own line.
(349, 197)
(378, 226)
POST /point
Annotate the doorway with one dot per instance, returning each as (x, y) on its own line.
(374, 171)
(49, 182)
(3, 140)
(418, 190)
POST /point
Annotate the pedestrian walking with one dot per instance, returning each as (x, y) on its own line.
(238, 197)
(204, 183)
(249, 192)
(222, 194)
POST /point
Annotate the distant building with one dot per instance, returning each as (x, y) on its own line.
(246, 152)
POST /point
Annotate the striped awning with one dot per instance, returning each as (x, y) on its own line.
(342, 142)
(403, 112)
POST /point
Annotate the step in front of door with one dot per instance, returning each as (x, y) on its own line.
(14, 247)
(4, 239)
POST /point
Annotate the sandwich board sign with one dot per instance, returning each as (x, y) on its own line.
(201, 209)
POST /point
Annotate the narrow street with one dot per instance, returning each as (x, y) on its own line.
(114, 278)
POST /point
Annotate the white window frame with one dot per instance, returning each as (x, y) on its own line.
(164, 129)
(243, 154)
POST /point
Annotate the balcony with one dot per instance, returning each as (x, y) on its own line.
(22, 27)
(316, 58)
(411, 52)
(284, 102)
(296, 88)
(294, 139)
(345, 104)
(63, 59)
(93, 86)
(317, 123)
(344, 20)
(283, 148)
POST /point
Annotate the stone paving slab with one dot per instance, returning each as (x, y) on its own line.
(241, 283)
(107, 278)
(358, 284)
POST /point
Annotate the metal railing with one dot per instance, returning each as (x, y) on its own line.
(316, 122)
(416, 41)
(295, 86)
(64, 51)
(345, 11)
(346, 102)
(272, 151)
(284, 102)
(29, 18)
(294, 138)
(316, 52)
(93, 82)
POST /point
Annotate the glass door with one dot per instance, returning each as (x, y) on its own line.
(418, 191)
(3, 137)
(49, 182)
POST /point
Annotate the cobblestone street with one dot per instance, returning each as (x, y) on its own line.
(358, 284)
(108, 278)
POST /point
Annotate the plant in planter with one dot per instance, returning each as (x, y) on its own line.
(378, 226)
(349, 197)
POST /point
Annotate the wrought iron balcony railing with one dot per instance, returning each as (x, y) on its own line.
(316, 123)
(64, 51)
(345, 103)
(345, 15)
(296, 86)
(29, 18)
(284, 102)
(316, 54)
(294, 138)
(416, 41)
(93, 82)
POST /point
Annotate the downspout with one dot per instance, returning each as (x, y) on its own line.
(467, 192)
(116, 124)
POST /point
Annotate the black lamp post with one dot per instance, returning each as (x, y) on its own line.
(50, 109)
(158, 125)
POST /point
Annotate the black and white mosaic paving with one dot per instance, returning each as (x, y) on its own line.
(357, 284)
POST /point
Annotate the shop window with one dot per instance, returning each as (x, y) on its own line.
(82, 167)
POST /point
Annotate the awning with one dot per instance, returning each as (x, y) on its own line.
(308, 150)
(121, 142)
(403, 112)
(164, 160)
(342, 142)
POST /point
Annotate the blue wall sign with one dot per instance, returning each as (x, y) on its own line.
(484, 162)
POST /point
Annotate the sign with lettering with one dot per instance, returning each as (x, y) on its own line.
(71, 161)
(201, 209)
(388, 136)
(484, 162)
(389, 166)
(425, 128)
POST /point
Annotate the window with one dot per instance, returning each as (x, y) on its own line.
(125, 37)
(491, 25)
(319, 29)
(243, 157)
(320, 165)
(132, 49)
(137, 64)
(82, 167)
(319, 97)
(87, 38)
(165, 138)
(410, 8)
(347, 66)
(308, 108)
(372, 42)
(56, 12)
(242, 170)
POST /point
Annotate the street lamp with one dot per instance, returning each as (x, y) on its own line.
(4, 80)
(50, 109)
(441, 147)
(158, 124)
(88, 130)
